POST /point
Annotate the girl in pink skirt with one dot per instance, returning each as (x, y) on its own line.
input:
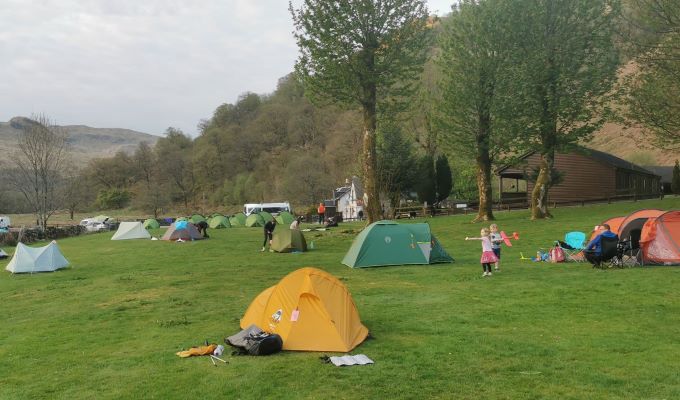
(488, 256)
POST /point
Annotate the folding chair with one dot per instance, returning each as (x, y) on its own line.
(575, 244)
(610, 253)
(630, 251)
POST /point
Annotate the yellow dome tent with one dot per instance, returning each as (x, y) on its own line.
(311, 310)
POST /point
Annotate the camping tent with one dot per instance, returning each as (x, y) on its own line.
(219, 221)
(238, 219)
(389, 243)
(266, 216)
(3, 255)
(285, 218)
(254, 220)
(311, 310)
(614, 225)
(196, 218)
(182, 230)
(286, 240)
(131, 230)
(660, 240)
(36, 259)
(631, 227)
(151, 224)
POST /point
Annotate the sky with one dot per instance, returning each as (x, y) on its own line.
(143, 65)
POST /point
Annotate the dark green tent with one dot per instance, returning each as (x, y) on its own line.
(238, 219)
(266, 216)
(219, 221)
(285, 218)
(196, 218)
(151, 224)
(389, 243)
(286, 240)
(254, 220)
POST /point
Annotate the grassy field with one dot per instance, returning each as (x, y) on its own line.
(108, 327)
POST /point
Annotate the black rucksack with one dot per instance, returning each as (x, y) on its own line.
(255, 342)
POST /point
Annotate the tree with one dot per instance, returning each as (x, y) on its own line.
(361, 53)
(396, 164)
(652, 30)
(175, 163)
(150, 193)
(469, 117)
(675, 183)
(444, 179)
(38, 165)
(426, 186)
(564, 67)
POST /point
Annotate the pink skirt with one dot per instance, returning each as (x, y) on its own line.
(488, 257)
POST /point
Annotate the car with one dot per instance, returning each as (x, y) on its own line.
(93, 226)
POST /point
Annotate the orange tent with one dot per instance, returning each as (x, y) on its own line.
(614, 225)
(631, 227)
(660, 240)
(311, 310)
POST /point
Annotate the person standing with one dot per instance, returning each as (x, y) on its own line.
(322, 211)
(496, 240)
(488, 257)
(268, 233)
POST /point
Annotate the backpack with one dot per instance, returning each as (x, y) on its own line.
(556, 254)
(255, 342)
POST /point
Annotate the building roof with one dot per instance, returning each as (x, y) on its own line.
(666, 173)
(341, 191)
(601, 156)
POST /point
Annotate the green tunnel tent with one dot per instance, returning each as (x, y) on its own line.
(238, 219)
(196, 218)
(286, 240)
(266, 216)
(254, 220)
(388, 243)
(151, 224)
(285, 218)
(218, 222)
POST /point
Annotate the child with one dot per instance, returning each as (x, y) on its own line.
(496, 240)
(488, 257)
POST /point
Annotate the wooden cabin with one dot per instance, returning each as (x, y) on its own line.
(586, 175)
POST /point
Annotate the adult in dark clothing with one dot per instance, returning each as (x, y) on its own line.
(268, 233)
(202, 227)
(593, 250)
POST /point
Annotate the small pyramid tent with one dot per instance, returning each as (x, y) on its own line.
(151, 224)
(182, 230)
(266, 216)
(238, 219)
(36, 259)
(131, 230)
(660, 239)
(254, 220)
(285, 218)
(219, 221)
(388, 243)
(286, 240)
(196, 218)
(311, 310)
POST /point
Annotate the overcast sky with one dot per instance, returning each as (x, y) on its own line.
(141, 64)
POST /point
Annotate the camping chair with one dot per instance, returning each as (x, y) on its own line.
(610, 253)
(574, 243)
(630, 251)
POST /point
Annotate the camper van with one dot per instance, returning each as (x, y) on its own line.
(4, 222)
(272, 208)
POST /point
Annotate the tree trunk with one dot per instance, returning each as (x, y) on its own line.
(369, 158)
(485, 212)
(539, 196)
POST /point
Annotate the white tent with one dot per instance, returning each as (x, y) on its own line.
(36, 259)
(3, 254)
(131, 230)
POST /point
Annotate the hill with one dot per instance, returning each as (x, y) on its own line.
(87, 142)
(631, 144)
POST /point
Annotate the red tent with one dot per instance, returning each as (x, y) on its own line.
(614, 225)
(660, 240)
(631, 227)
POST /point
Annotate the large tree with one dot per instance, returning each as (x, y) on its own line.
(396, 164)
(564, 65)
(38, 165)
(361, 53)
(472, 60)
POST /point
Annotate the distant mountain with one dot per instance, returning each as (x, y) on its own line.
(87, 142)
(630, 144)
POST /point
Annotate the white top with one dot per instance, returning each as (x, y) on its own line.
(294, 225)
(496, 240)
(486, 243)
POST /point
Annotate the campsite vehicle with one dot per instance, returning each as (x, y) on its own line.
(5, 222)
(94, 226)
(272, 208)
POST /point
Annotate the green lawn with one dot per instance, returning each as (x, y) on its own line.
(109, 326)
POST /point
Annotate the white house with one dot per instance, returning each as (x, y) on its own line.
(350, 199)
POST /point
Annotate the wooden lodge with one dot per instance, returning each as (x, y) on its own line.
(586, 175)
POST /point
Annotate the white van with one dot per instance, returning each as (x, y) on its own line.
(5, 222)
(272, 208)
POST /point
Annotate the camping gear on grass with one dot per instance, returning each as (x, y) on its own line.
(151, 224)
(182, 231)
(198, 351)
(219, 222)
(359, 359)
(255, 342)
(311, 310)
(288, 240)
(131, 230)
(390, 243)
(254, 220)
(572, 246)
(3, 255)
(660, 239)
(36, 259)
(557, 254)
